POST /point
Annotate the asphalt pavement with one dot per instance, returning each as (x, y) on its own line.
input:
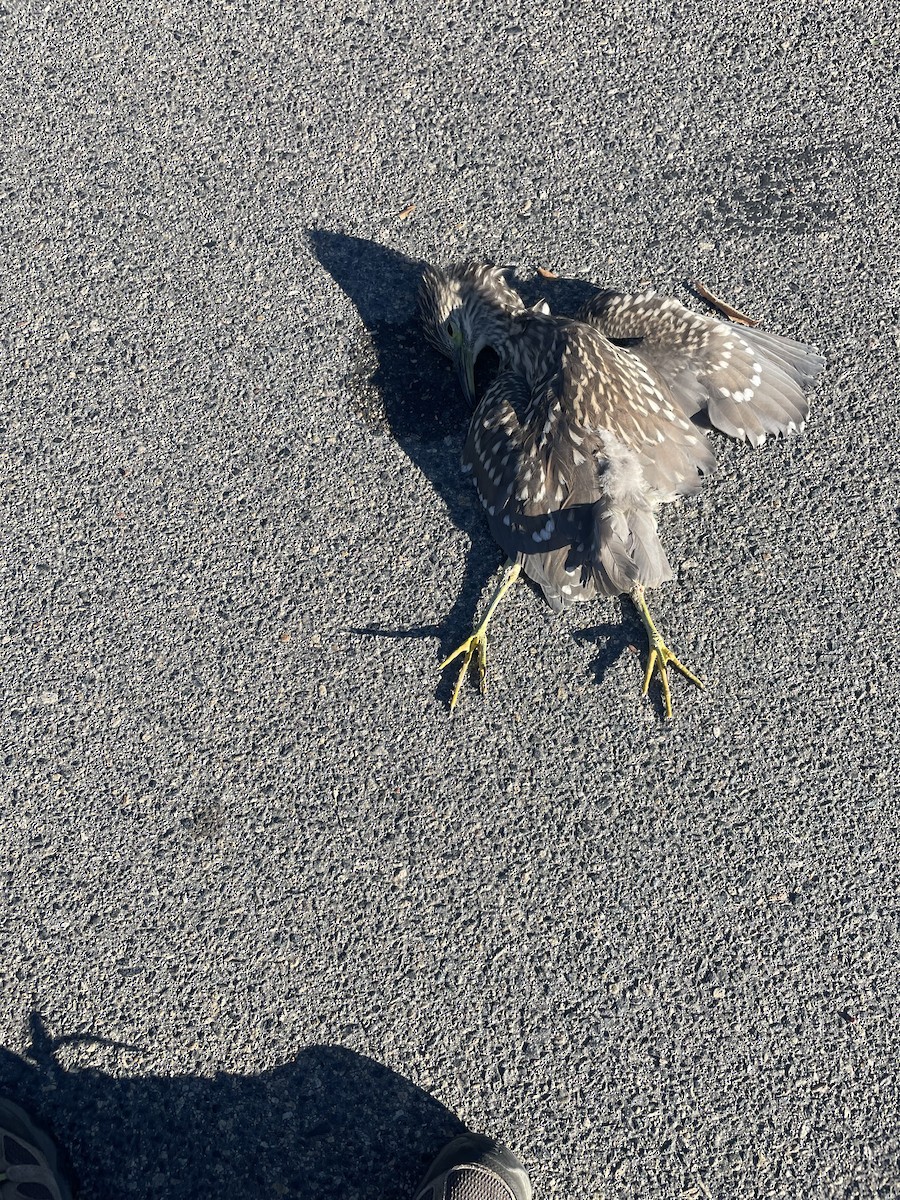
(273, 922)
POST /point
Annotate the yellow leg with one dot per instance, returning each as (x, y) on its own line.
(475, 646)
(660, 654)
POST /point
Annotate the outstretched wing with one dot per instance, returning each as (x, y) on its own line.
(748, 382)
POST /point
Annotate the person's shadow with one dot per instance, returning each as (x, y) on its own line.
(329, 1123)
(400, 385)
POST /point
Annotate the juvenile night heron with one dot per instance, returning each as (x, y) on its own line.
(589, 427)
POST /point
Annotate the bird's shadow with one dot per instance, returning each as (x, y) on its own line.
(610, 641)
(327, 1123)
(398, 384)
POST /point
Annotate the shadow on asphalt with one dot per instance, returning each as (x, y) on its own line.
(329, 1123)
(611, 641)
(401, 386)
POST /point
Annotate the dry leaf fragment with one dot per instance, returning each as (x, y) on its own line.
(725, 309)
(547, 274)
(407, 212)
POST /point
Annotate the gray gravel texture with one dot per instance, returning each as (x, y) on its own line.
(274, 924)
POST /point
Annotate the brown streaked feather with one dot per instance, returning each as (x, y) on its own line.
(580, 438)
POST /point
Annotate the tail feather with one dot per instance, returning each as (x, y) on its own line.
(627, 549)
(647, 550)
(614, 569)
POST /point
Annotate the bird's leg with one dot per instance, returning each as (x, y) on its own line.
(475, 646)
(660, 654)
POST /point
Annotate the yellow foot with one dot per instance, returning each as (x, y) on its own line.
(476, 645)
(473, 647)
(660, 658)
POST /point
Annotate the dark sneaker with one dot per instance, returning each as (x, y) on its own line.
(29, 1169)
(473, 1167)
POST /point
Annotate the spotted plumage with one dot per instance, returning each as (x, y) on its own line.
(593, 422)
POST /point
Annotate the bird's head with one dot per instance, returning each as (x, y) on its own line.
(464, 309)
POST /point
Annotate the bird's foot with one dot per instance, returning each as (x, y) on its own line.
(474, 647)
(661, 657)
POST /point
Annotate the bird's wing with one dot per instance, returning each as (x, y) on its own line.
(568, 503)
(520, 481)
(606, 390)
(748, 382)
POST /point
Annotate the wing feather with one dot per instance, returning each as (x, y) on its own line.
(750, 383)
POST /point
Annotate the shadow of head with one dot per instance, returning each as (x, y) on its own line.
(329, 1123)
(399, 383)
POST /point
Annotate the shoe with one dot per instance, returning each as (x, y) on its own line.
(473, 1167)
(29, 1166)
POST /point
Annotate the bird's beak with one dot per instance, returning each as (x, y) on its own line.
(464, 361)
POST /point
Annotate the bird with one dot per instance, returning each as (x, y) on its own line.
(593, 422)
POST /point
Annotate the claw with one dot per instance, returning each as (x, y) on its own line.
(475, 647)
(661, 657)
